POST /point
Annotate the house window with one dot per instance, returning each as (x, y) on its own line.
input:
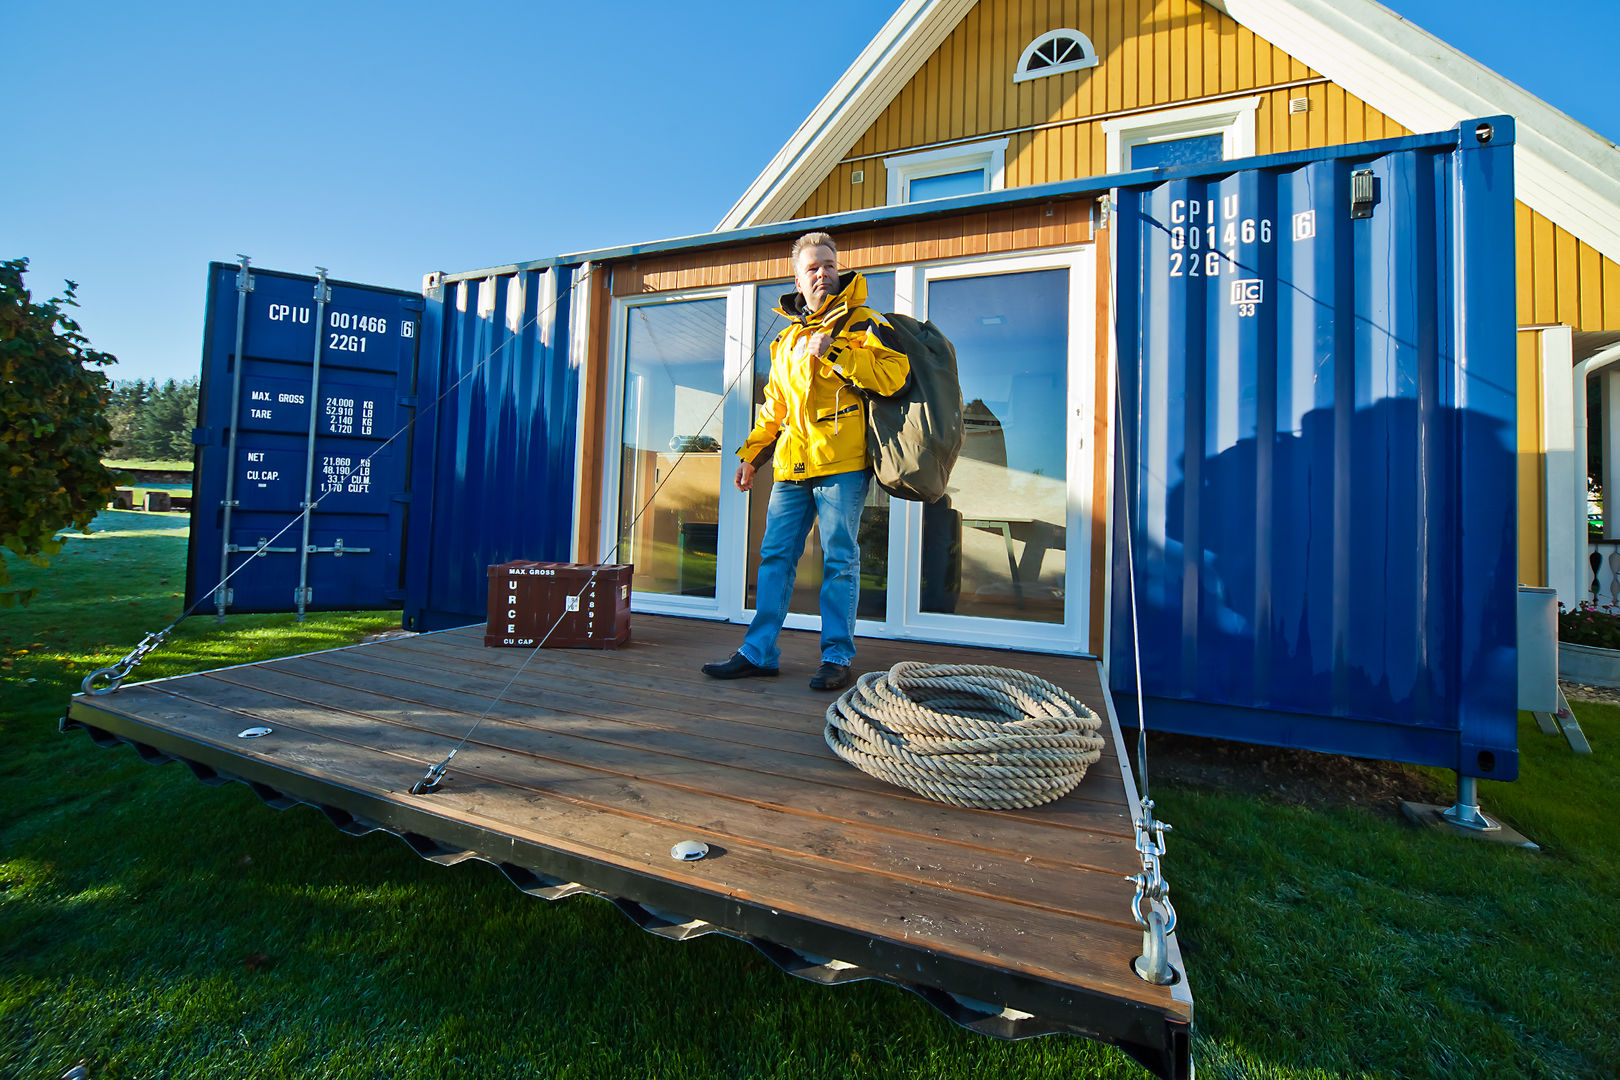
(953, 170)
(1168, 153)
(1217, 131)
(1054, 52)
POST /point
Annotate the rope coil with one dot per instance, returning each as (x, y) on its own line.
(988, 738)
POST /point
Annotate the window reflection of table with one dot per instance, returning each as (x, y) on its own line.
(1003, 525)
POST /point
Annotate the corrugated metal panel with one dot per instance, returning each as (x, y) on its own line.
(494, 456)
(1317, 465)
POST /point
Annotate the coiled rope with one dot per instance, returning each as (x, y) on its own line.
(985, 737)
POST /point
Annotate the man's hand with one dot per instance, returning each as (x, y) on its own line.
(745, 477)
(821, 344)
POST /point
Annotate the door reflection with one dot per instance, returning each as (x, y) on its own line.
(998, 550)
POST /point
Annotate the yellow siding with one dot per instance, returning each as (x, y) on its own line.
(1160, 53)
(1153, 53)
(1532, 496)
(1563, 280)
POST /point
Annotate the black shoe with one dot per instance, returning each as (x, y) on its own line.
(830, 676)
(738, 667)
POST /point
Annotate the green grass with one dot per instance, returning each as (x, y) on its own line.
(146, 463)
(158, 927)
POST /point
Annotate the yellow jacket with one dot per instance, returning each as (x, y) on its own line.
(815, 421)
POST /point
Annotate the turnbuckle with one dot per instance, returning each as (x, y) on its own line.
(1154, 964)
(117, 673)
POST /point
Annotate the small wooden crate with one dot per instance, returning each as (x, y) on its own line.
(560, 605)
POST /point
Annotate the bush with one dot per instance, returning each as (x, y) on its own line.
(1592, 624)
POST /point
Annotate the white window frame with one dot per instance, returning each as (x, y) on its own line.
(1072, 636)
(1233, 120)
(1087, 60)
(990, 155)
(731, 413)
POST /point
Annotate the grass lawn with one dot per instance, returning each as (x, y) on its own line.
(154, 926)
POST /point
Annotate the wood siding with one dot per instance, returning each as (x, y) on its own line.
(1153, 54)
(1531, 464)
(994, 232)
(1563, 281)
(1157, 54)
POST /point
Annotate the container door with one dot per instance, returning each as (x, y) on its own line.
(306, 400)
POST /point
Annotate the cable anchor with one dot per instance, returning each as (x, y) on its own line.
(430, 781)
(118, 672)
(1153, 965)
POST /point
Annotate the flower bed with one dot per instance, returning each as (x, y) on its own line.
(1590, 624)
(1589, 644)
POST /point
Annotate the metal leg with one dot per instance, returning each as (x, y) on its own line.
(1563, 721)
(1465, 813)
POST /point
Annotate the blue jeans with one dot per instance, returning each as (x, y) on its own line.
(835, 503)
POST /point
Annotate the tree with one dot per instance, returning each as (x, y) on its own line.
(126, 402)
(53, 424)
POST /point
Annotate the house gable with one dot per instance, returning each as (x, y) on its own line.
(941, 73)
(1154, 55)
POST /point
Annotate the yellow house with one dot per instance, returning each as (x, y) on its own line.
(956, 96)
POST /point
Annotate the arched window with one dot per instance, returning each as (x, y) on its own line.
(1053, 52)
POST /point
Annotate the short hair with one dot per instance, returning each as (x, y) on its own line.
(810, 239)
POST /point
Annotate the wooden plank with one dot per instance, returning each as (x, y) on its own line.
(752, 735)
(1567, 293)
(1611, 296)
(801, 817)
(1590, 315)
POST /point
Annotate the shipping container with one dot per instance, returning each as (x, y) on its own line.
(1315, 500)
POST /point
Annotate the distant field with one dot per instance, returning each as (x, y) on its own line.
(145, 465)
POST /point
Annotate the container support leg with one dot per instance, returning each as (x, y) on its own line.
(1465, 813)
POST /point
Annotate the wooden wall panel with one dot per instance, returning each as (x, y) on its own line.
(592, 416)
(1532, 494)
(994, 232)
(1153, 54)
(1563, 280)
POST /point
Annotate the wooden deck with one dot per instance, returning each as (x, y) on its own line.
(591, 765)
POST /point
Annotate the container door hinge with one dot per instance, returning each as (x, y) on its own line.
(224, 597)
(244, 279)
(303, 595)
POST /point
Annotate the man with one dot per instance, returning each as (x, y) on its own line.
(817, 426)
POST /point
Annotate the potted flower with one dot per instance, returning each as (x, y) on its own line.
(1589, 644)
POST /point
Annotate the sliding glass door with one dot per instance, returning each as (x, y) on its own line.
(1004, 559)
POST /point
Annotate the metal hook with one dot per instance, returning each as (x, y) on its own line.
(430, 782)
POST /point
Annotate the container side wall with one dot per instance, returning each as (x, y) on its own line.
(497, 453)
(1317, 467)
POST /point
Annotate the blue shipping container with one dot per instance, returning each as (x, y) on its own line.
(1315, 466)
(305, 397)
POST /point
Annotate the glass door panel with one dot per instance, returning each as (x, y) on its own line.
(998, 550)
(671, 456)
(874, 532)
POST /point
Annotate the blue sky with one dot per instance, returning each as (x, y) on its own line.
(385, 140)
